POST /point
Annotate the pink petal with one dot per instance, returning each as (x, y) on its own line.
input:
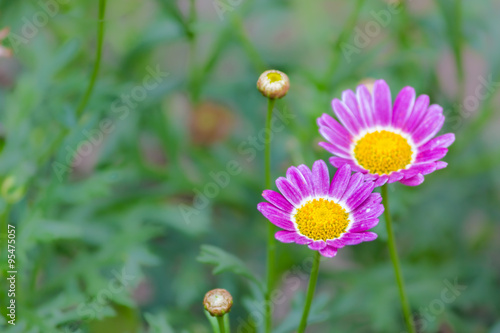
(307, 174)
(295, 177)
(327, 121)
(277, 200)
(328, 252)
(441, 165)
(321, 178)
(356, 238)
(366, 213)
(428, 129)
(349, 98)
(381, 180)
(382, 103)
(276, 216)
(317, 245)
(360, 195)
(334, 149)
(443, 141)
(289, 191)
(365, 105)
(413, 181)
(356, 180)
(345, 116)
(339, 162)
(291, 237)
(403, 105)
(363, 225)
(395, 176)
(335, 243)
(339, 182)
(424, 169)
(417, 114)
(431, 155)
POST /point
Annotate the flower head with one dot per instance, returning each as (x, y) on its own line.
(273, 84)
(218, 302)
(322, 214)
(387, 142)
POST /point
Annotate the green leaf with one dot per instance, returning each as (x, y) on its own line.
(316, 315)
(51, 230)
(226, 262)
(158, 323)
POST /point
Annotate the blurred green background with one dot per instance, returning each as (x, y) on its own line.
(112, 207)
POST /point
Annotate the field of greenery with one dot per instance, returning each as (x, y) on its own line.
(132, 163)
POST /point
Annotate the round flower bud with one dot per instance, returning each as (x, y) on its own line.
(273, 84)
(218, 302)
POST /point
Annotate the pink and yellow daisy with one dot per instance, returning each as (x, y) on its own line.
(324, 215)
(387, 142)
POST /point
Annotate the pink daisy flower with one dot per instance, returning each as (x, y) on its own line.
(387, 142)
(324, 215)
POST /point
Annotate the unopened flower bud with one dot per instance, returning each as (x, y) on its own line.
(218, 302)
(273, 84)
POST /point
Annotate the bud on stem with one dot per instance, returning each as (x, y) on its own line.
(273, 84)
(218, 302)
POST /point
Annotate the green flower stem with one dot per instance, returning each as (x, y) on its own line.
(194, 70)
(213, 322)
(310, 292)
(100, 38)
(90, 88)
(247, 45)
(222, 327)
(395, 262)
(337, 47)
(271, 245)
(270, 106)
(458, 50)
(227, 324)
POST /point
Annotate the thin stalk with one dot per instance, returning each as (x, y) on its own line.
(247, 44)
(213, 322)
(403, 33)
(270, 106)
(391, 241)
(90, 88)
(98, 54)
(222, 328)
(194, 72)
(227, 324)
(271, 245)
(337, 49)
(310, 293)
(458, 49)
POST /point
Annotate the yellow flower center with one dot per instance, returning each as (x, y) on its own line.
(383, 152)
(274, 77)
(321, 219)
